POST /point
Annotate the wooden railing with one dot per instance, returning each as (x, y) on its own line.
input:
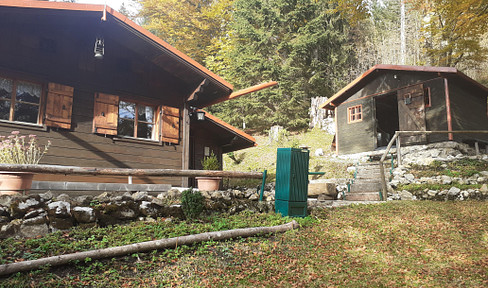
(396, 138)
(74, 170)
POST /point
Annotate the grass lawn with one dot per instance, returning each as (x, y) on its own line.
(395, 244)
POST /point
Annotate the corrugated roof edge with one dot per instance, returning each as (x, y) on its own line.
(121, 17)
(230, 127)
(359, 82)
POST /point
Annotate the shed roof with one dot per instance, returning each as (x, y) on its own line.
(137, 38)
(356, 85)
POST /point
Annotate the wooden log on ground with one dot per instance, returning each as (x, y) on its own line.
(74, 170)
(10, 268)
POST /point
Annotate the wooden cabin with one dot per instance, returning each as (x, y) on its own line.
(106, 92)
(389, 98)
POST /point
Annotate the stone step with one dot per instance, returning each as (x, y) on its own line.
(365, 187)
(365, 196)
(366, 180)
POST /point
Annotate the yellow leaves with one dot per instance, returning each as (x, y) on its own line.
(191, 26)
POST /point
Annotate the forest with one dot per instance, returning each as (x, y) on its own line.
(314, 47)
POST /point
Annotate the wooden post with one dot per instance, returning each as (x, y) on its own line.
(448, 109)
(185, 155)
(399, 151)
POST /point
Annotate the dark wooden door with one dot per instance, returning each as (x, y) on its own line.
(411, 113)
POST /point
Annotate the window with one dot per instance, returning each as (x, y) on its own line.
(126, 117)
(19, 100)
(135, 120)
(355, 114)
(427, 99)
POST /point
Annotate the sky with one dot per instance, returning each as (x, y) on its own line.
(115, 4)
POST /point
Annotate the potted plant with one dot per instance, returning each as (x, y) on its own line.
(19, 149)
(209, 183)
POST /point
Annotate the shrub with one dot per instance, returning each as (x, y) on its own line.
(210, 162)
(192, 203)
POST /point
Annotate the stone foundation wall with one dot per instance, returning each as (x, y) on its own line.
(33, 215)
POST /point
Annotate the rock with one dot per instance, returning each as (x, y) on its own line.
(206, 194)
(46, 196)
(318, 188)
(319, 152)
(148, 209)
(158, 202)
(84, 214)
(446, 179)
(174, 193)
(35, 213)
(83, 200)
(484, 174)
(454, 191)
(6, 200)
(480, 179)
(103, 196)
(29, 203)
(10, 229)
(465, 194)
(432, 193)
(63, 197)
(406, 195)
(409, 177)
(351, 169)
(142, 196)
(216, 195)
(60, 223)
(31, 231)
(249, 192)
(254, 197)
(4, 220)
(41, 219)
(484, 189)
(4, 211)
(125, 213)
(60, 209)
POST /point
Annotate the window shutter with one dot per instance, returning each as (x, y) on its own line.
(59, 106)
(105, 114)
(170, 125)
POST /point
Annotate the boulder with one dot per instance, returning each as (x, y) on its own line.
(84, 214)
(60, 223)
(10, 229)
(32, 231)
(59, 209)
(149, 209)
(315, 189)
(406, 195)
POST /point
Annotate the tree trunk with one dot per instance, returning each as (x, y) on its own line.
(143, 247)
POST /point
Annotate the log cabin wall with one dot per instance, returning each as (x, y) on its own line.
(469, 111)
(53, 53)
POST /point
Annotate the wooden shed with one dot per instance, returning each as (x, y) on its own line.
(389, 98)
(105, 91)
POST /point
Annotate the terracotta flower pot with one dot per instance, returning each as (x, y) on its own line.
(208, 183)
(12, 183)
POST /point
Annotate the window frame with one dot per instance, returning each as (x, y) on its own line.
(154, 133)
(353, 113)
(13, 100)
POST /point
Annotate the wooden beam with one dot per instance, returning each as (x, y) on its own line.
(94, 171)
(244, 92)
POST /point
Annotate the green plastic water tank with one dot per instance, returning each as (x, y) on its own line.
(291, 182)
